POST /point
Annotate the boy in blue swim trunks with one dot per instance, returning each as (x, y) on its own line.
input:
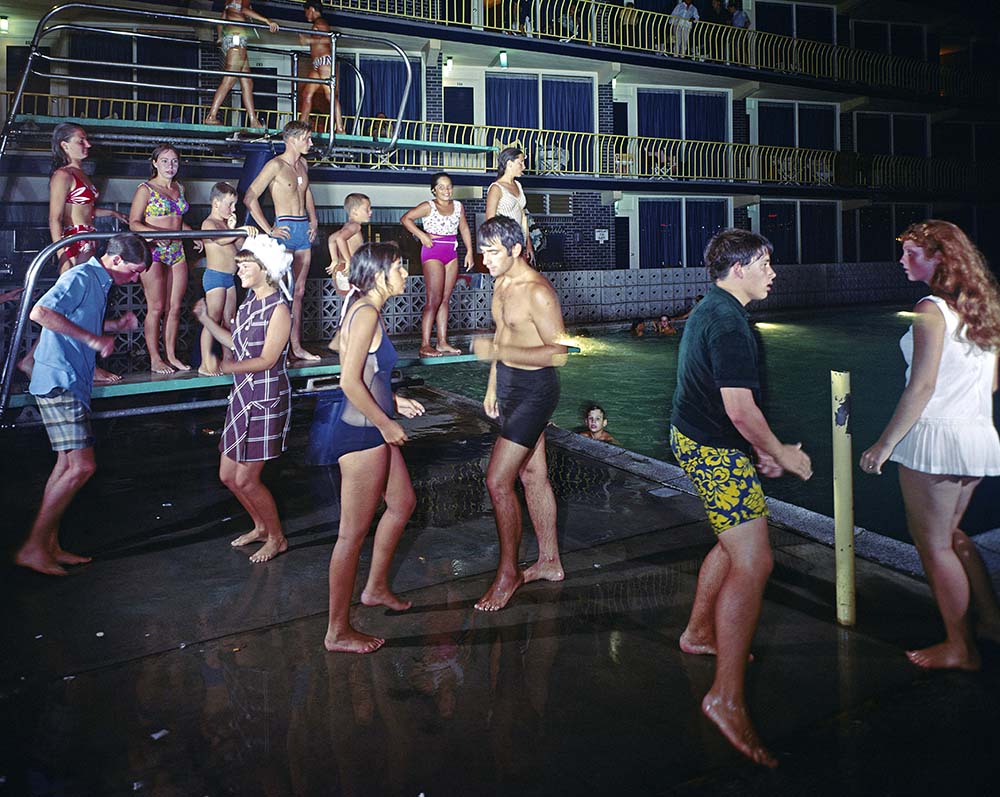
(295, 224)
(220, 270)
(715, 426)
(522, 392)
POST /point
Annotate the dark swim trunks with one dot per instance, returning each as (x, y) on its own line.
(526, 400)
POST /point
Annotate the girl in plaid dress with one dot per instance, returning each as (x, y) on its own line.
(260, 402)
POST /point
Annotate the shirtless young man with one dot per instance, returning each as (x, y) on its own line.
(343, 244)
(322, 62)
(522, 392)
(218, 280)
(295, 224)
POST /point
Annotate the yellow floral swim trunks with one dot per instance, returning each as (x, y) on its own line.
(725, 479)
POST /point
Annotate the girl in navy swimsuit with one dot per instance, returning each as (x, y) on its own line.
(367, 445)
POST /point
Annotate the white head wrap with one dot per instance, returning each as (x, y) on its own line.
(277, 261)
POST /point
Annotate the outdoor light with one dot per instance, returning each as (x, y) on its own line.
(449, 63)
(614, 83)
(503, 59)
(4, 25)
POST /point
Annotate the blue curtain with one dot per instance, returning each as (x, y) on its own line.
(874, 134)
(349, 88)
(819, 232)
(987, 138)
(872, 36)
(384, 81)
(111, 49)
(705, 116)
(909, 135)
(703, 219)
(774, 18)
(156, 53)
(568, 105)
(817, 127)
(512, 101)
(849, 229)
(776, 124)
(908, 41)
(777, 224)
(660, 233)
(659, 114)
(814, 23)
(876, 234)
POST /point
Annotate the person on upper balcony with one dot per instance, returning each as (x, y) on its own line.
(683, 17)
(737, 16)
(321, 52)
(717, 14)
(233, 42)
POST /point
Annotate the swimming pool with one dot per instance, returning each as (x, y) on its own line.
(633, 379)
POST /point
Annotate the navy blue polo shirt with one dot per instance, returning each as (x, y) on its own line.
(718, 349)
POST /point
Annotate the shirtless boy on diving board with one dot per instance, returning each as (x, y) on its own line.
(321, 53)
(295, 224)
(522, 391)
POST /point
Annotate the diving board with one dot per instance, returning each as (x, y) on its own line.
(225, 134)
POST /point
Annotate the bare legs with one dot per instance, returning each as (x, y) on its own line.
(221, 306)
(983, 600)
(934, 509)
(41, 551)
(724, 618)
(243, 480)
(440, 281)
(164, 286)
(300, 266)
(236, 61)
(508, 462)
(311, 89)
(361, 473)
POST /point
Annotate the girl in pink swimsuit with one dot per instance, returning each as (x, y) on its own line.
(159, 204)
(443, 219)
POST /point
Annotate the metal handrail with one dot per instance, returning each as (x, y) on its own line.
(45, 29)
(35, 268)
(600, 24)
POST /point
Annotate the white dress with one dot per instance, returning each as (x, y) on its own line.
(955, 434)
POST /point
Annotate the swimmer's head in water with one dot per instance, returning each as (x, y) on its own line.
(595, 418)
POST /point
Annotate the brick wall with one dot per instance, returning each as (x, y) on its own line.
(741, 122)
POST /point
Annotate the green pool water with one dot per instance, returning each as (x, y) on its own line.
(633, 379)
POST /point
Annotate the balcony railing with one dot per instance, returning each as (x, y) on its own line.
(622, 27)
(556, 152)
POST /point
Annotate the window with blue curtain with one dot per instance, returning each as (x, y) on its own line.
(987, 138)
(814, 23)
(660, 233)
(385, 79)
(776, 124)
(909, 135)
(111, 49)
(951, 140)
(512, 101)
(849, 229)
(874, 134)
(818, 233)
(706, 116)
(568, 104)
(703, 219)
(817, 126)
(875, 234)
(778, 225)
(873, 36)
(152, 52)
(658, 114)
(908, 41)
(348, 91)
(774, 18)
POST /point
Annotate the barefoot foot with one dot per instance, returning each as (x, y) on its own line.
(269, 550)
(447, 348)
(384, 597)
(254, 535)
(429, 351)
(734, 722)
(159, 367)
(103, 376)
(352, 641)
(207, 371)
(946, 656)
(298, 353)
(40, 561)
(544, 571)
(699, 646)
(178, 365)
(68, 558)
(210, 120)
(500, 592)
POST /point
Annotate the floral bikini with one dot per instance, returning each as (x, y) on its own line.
(168, 252)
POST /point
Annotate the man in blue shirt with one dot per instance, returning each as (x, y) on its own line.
(71, 315)
(716, 424)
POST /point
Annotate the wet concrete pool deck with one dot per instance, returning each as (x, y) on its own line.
(172, 666)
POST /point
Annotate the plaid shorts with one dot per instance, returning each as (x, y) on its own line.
(725, 479)
(66, 419)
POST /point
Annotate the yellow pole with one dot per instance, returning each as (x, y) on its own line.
(843, 494)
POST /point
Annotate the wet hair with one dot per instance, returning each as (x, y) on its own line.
(63, 131)
(636, 323)
(732, 246)
(368, 262)
(961, 278)
(437, 176)
(220, 190)
(502, 230)
(156, 154)
(593, 407)
(314, 4)
(354, 201)
(296, 128)
(506, 156)
(129, 247)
